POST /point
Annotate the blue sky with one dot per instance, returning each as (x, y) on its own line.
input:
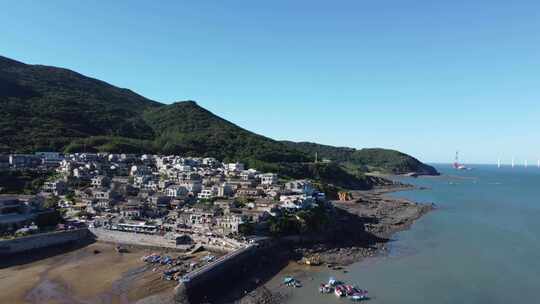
(424, 77)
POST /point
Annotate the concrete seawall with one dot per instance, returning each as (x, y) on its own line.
(213, 278)
(43, 240)
(130, 238)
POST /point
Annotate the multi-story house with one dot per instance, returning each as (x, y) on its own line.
(57, 187)
(176, 191)
(229, 223)
(101, 181)
(208, 193)
(301, 186)
(18, 161)
(269, 179)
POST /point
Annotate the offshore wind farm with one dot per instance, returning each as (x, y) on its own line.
(516, 163)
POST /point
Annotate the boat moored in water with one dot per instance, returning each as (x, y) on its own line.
(342, 290)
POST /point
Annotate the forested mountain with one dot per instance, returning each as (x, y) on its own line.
(50, 108)
(366, 160)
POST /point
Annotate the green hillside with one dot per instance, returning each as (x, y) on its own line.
(366, 160)
(46, 108)
(49, 108)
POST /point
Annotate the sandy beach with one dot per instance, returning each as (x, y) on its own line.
(85, 276)
(96, 273)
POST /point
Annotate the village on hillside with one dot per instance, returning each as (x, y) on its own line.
(165, 201)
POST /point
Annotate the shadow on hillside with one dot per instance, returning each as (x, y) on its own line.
(348, 230)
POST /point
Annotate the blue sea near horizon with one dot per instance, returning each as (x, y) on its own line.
(481, 245)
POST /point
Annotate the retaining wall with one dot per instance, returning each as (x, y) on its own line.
(216, 276)
(42, 240)
(130, 238)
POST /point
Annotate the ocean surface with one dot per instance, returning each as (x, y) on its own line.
(482, 244)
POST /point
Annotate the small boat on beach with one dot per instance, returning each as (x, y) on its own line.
(342, 290)
(291, 282)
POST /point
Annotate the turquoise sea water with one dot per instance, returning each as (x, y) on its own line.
(482, 244)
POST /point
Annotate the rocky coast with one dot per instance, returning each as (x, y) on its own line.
(363, 227)
(365, 224)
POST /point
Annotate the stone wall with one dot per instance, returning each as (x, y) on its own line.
(42, 240)
(215, 277)
(131, 238)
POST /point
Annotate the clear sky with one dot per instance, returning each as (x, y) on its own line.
(425, 77)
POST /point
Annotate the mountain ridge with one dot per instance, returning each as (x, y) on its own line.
(49, 108)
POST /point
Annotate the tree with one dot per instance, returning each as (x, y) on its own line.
(51, 202)
(48, 219)
(284, 225)
(70, 196)
(247, 228)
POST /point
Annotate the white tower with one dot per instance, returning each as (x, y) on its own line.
(513, 162)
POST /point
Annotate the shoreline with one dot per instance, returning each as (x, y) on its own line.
(370, 220)
(363, 227)
(91, 273)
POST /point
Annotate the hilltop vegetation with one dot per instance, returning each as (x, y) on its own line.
(49, 108)
(46, 108)
(366, 160)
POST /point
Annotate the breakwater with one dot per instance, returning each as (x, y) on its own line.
(209, 281)
(43, 240)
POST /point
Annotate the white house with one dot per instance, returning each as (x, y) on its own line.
(192, 186)
(238, 167)
(176, 191)
(57, 187)
(208, 193)
(301, 186)
(269, 178)
(100, 181)
(297, 201)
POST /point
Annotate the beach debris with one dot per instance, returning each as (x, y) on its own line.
(121, 249)
(314, 260)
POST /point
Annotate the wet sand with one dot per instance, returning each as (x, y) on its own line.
(80, 276)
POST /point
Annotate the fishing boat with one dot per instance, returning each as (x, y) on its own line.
(333, 282)
(325, 288)
(349, 290)
(359, 295)
(339, 291)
